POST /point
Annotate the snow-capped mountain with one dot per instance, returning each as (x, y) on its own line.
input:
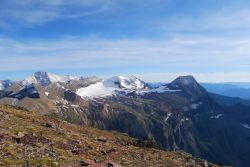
(130, 83)
(45, 78)
(178, 115)
(117, 84)
(5, 84)
(109, 86)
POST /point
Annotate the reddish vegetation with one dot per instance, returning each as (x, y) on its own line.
(25, 141)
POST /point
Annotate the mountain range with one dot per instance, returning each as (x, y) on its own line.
(240, 90)
(181, 115)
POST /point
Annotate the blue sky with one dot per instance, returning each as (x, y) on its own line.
(156, 40)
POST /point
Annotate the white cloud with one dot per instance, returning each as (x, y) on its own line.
(29, 12)
(226, 18)
(208, 58)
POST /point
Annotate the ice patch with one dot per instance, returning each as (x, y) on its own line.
(245, 126)
(168, 116)
(1, 86)
(195, 106)
(96, 90)
(161, 89)
(113, 85)
(75, 106)
(46, 93)
(184, 119)
(216, 116)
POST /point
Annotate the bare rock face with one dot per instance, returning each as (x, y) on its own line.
(189, 85)
(42, 78)
(69, 95)
(27, 91)
(4, 93)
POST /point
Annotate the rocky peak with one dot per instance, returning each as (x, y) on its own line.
(26, 91)
(44, 78)
(5, 84)
(127, 83)
(189, 85)
(185, 80)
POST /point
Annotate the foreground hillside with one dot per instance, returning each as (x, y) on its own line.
(28, 139)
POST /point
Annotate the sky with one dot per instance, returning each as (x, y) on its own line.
(155, 40)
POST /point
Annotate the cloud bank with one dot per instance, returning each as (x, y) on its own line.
(175, 54)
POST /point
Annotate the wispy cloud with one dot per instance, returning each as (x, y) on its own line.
(160, 37)
(220, 19)
(28, 12)
(176, 54)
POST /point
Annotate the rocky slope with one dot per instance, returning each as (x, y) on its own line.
(181, 115)
(28, 139)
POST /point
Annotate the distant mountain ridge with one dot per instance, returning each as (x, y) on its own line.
(4, 84)
(45, 78)
(181, 115)
(241, 90)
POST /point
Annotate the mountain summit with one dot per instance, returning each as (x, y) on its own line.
(44, 78)
(189, 85)
(5, 84)
(111, 86)
(128, 83)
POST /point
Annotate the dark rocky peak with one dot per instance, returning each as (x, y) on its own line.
(185, 80)
(26, 91)
(189, 85)
(42, 78)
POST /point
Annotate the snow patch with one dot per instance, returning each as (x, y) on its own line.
(117, 84)
(58, 78)
(216, 116)
(161, 89)
(75, 106)
(168, 116)
(184, 119)
(195, 105)
(96, 90)
(62, 101)
(245, 126)
(1, 86)
(46, 93)
(130, 83)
